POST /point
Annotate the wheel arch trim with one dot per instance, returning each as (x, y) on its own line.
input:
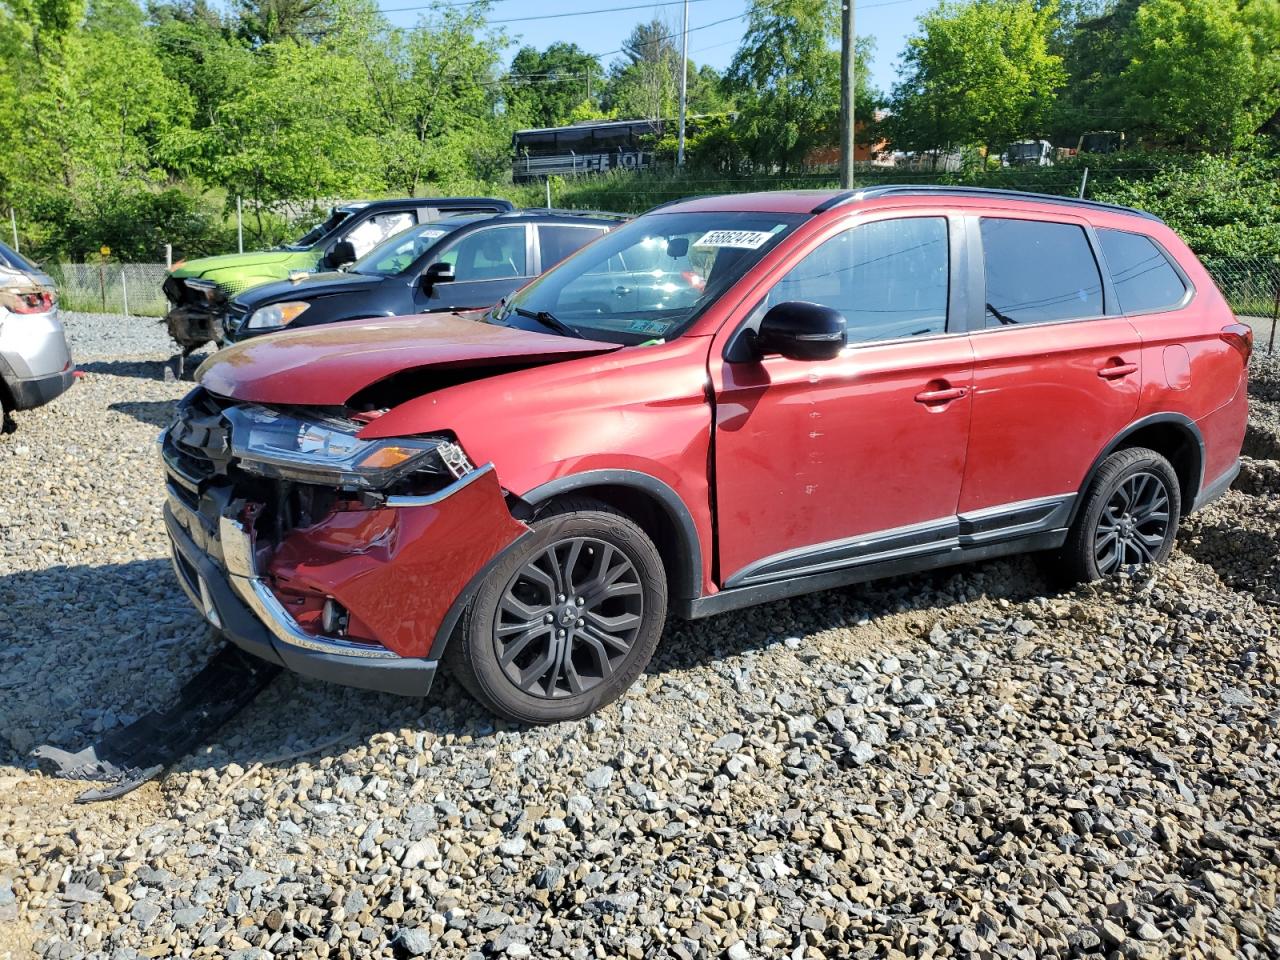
(1178, 420)
(686, 582)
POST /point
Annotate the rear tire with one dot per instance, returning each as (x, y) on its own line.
(1129, 517)
(567, 619)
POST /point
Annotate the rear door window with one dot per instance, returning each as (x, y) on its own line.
(558, 241)
(1144, 279)
(1038, 272)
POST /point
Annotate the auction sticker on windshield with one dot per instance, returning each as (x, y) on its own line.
(742, 239)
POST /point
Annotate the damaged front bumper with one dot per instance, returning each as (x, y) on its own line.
(401, 573)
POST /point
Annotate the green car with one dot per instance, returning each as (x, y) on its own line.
(198, 290)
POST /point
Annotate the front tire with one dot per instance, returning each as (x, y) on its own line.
(566, 620)
(1129, 517)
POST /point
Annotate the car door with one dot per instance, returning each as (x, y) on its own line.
(488, 264)
(826, 464)
(1056, 368)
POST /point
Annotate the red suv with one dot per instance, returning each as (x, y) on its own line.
(726, 401)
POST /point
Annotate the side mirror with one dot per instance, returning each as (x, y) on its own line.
(343, 252)
(439, 272)
(799, 330)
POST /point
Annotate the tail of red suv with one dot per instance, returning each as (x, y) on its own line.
(815, 390)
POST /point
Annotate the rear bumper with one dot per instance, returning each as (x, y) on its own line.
(36, 392)
(236, 601)
(1216, 487)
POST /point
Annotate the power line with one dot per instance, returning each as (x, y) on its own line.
(549, 16)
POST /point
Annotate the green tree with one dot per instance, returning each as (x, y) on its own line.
(282, 134)
(980, 72)
(431, 95)
(546, 88)
(785, 78)
(645, 83)
(1092, 40)
(1203, 73)
(270, 21)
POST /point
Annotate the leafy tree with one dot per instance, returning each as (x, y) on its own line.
(980, 72)
(785, 78)
(1092, 41)
(1203, 73)
(549, 87)
(431, 96)
(645, 85)
(282, 133)
(270, 21)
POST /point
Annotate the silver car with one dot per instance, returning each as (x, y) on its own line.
(35, 362)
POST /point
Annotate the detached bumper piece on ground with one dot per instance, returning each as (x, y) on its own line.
(129, 757)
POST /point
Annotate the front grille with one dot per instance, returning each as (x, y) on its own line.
(197, 446)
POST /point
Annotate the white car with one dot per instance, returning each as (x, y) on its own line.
(35, 361)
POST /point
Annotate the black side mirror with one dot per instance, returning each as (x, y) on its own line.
(799, 330)
(439, 272)
(343, 252)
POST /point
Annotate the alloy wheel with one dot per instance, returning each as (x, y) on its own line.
(568, 618)
(1133, 525)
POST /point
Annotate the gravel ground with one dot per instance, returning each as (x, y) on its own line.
(963, 764)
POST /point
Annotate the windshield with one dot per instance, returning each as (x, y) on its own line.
(397, 253)
(651, 278)
(1025, 150)
(319, 231)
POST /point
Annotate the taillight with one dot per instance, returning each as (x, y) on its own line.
(1239, 336)
(40, 301)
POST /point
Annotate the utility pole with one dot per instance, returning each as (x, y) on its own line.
(848, 65)
(684, 83)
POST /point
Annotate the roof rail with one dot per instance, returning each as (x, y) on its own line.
(562, 212)
(670, 203)
(927, 189)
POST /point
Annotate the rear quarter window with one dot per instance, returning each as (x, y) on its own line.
(1141, 273)
(1038, 272)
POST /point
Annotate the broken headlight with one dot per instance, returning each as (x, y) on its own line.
(318, 449)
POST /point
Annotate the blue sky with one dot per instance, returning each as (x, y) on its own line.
(888, 21)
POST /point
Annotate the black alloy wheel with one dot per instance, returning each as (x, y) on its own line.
(1128, 517)
(569, 618)
(1134, 524)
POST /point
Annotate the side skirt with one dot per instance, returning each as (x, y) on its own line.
(737, 597)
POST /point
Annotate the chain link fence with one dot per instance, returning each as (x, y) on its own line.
(1252, 287)
(126, 288)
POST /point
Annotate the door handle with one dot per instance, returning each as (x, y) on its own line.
(945, 395)
(621, 291)
(1118, 370)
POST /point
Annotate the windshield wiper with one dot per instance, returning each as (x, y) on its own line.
(551, 321)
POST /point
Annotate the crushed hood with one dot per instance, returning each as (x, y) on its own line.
(327, 365)
(240, 261)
